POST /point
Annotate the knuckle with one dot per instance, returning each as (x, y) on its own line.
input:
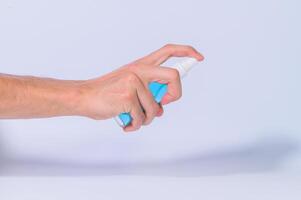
(155, 108)
(148, 120)
(128, 96)
(169, 46)
(174, 74)
(129, 83)
(188, 47)
(131, 77)
(151, 115)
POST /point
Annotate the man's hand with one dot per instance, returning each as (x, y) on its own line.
(123, 90)
(126, 89)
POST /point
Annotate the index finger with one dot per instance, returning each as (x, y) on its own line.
(172, 50)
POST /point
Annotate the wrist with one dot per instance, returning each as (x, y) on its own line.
(74, 99)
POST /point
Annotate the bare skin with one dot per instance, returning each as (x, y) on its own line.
(123, 90)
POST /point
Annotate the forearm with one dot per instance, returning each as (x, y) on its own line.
(32, 97)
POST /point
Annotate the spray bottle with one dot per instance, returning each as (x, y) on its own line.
(158, 90)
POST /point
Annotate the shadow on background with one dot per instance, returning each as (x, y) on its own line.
(263, 155)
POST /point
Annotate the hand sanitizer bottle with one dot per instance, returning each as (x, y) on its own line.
(158, 90)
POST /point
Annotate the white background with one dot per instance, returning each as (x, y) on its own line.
(235, 133)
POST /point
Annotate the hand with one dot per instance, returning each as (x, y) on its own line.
(126, 89)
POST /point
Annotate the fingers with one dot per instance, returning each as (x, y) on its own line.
(143, 108)
(171, 77)
(150, 107)
(137, 115)
(171, 50)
